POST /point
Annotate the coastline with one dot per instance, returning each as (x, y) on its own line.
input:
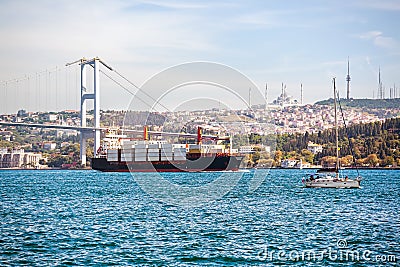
(44, 169)
(277, 168)
(347, 168)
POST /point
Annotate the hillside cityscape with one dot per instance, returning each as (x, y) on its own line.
(251, 131)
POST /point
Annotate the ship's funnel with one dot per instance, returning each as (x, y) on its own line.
(199, 133)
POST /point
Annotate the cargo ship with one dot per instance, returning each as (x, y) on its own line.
(121, 154)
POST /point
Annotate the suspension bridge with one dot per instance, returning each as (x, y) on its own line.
(71, 87)
(54, 90)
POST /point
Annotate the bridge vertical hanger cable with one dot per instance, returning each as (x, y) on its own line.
(2, 93)
(5, 97)
(28, 107)
(26, 93)
(36, 93)
(19, 104)
(51, 92)
(2, 105)
(56, 86)
(46, 80)
(16, 96)
(42, 87)
(39, 98)
(8, 93)
(49, 102)
(47, 90)
(13, 94)
(2, 98)
(77, 92)
(66, 88)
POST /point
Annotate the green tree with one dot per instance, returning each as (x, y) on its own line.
(255, 156)
(387, 161)
(58, 160)
(372, 160)
(278, 157)
(346, 161)
(4, 143)
(308, 156)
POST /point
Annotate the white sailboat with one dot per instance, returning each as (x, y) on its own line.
(330, 178)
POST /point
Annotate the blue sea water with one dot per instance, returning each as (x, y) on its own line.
(88, 218)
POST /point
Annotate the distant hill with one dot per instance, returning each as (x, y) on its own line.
(365, 103)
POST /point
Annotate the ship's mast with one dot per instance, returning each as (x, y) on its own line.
(336, 127)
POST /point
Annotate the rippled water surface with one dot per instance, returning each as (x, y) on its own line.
(62, 218)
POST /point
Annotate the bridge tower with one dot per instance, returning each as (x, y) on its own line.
(85, 96)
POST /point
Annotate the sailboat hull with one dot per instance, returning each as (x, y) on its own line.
(328, 183)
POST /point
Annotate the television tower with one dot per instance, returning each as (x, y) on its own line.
(266, 95)
(348, 78)
(380, 88)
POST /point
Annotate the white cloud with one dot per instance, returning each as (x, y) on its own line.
(389, 5)
(276, 17)
(176, 4)
(370, 35)
(112, 30)
(379, 39)
(386, 42)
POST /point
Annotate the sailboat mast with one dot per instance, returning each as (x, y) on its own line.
(336, 125)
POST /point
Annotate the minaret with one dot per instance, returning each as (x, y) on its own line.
(266, 95)
(348, 78)
(284, 91)
(249, 97)
(301, 94)
(379, 84)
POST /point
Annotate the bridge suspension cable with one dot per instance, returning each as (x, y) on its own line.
(124, 87)
(41, 91)
(144, 92)
(48, 89)
(127, 90)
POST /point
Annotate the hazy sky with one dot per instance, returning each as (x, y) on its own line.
(268, 41)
